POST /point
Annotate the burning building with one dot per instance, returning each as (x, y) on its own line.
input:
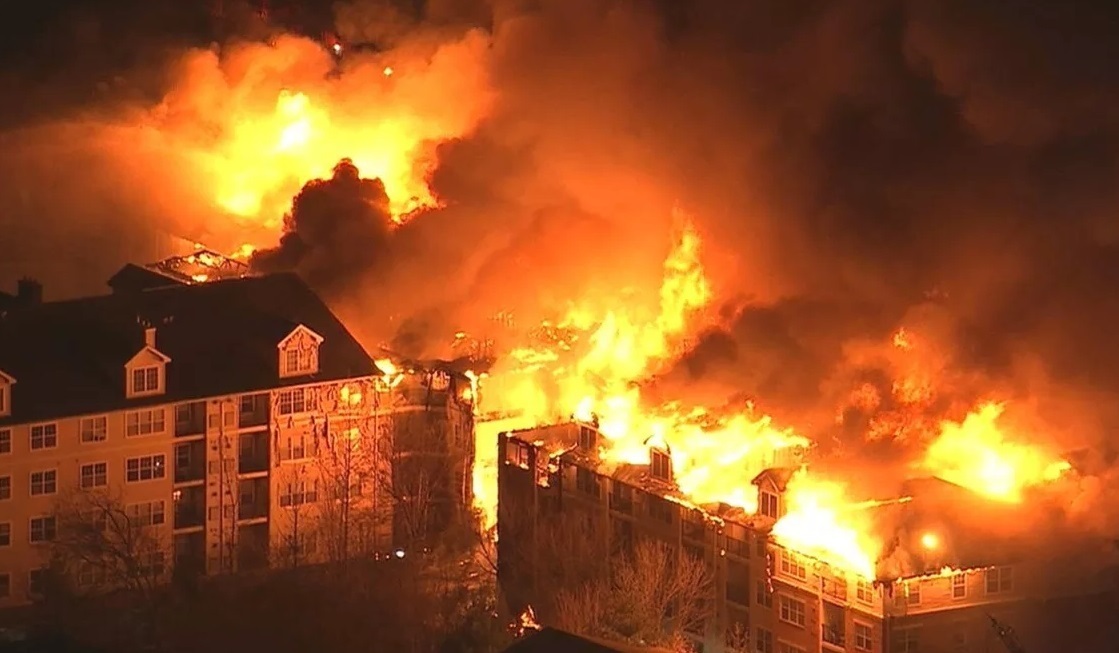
(959, 589)
(230, 425)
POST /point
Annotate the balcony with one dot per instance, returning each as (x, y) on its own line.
(190, 461)
(190, 507)
(190, 419)
(253, 498)
(252, 454)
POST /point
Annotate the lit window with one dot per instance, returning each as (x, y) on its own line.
(43, 483)
(94, 475)
(792, 565)
(145, 468)
(913, 592)
(792, 611)
(959, 586)
(44, 436)
(94, 429)
(145, 380)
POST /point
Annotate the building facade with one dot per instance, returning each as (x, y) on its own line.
(236, 424)
(765, 597)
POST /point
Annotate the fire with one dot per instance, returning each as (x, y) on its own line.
(820, 521)
(257, 122)
(976, 454)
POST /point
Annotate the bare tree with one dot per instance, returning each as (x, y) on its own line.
(654, 595)
(298, 518)
(102, 543)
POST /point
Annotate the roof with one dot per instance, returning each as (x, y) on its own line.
(68, 357)
(779, 476)
(133, 277)
(551, 640)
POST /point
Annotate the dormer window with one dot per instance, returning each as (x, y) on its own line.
(767, 504)
(299, 353)
(6, 383)
(146, 374)
(145, 380)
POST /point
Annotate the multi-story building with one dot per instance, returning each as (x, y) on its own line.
(768, 598)
(238, 423)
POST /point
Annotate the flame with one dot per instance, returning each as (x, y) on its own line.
(820, 521)
(976, 454)
(256, 122)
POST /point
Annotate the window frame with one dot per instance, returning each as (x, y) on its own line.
(94, 420)
(5, 441)
(785, 612)
(43, 427)
(162, 467)
(151, 422)
(43, 520)
(43, 483)
(142, 373)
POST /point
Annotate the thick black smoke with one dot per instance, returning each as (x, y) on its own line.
(337, 231)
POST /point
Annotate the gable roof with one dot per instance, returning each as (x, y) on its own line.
(221, 338)
(779, 476)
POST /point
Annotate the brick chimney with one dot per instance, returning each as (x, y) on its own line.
(149, 337)
(29, 292)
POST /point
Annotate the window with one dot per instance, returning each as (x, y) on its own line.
(298, 448)
(148, 513)
(660, 464)
(152, 563)
(767, 504)
(3, 399)
(145, 380)
(5, 586)
(903, 641)
(5, 441)
(763, 641)
(94, 475)
(864, 591)
(145, 468)
(298, 360)
(42, 529)
(44, 482)
(5, 534)
(588, 439)
(145, 422)
(792, 610)
(786, 647)
(296, 401)
(661, 509)
(959, 586)
(5, 488)
(763, 596)
(94, 429)
(792, 565)
(91, 575)
(913, 592)
(44, 436)
(299, 493)
(587, 482)
(999, 580)
(182, 457)
(517, 454)
(863, 637)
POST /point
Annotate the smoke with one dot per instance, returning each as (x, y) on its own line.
(947, 166)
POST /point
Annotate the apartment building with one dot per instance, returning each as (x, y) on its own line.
(238, 422)
(782, 600)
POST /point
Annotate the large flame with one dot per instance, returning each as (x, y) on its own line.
(976, 454)
(258, 121)
(822, 521)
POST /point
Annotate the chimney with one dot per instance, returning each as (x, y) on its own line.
(149, 337)
(29, 292)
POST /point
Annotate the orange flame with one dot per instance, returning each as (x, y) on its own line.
(976, 454)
